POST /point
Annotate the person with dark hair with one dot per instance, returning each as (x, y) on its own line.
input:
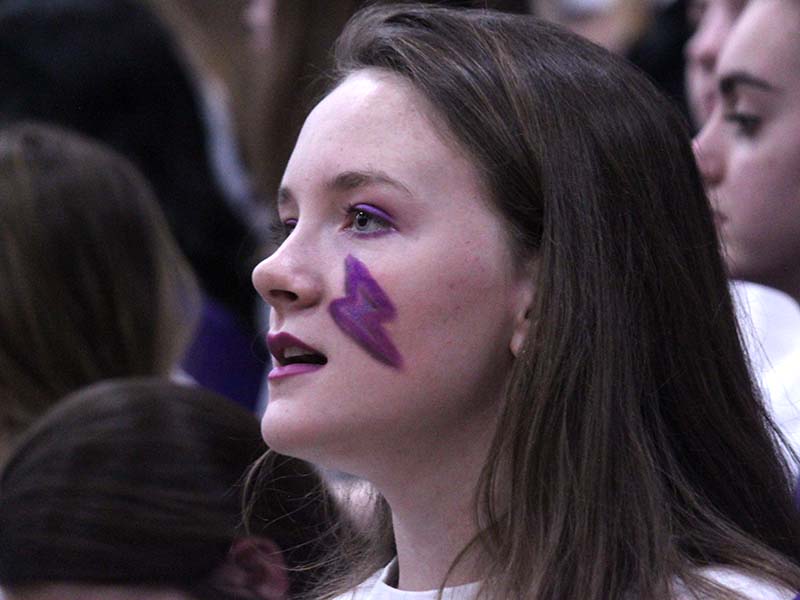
(712, 21)
(499, 298)
(749, 155)
(131, 489)
(771, 318)
(94, 285)
(110, 70)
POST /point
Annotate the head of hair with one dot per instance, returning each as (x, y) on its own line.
(138, 482)
(632, 446)
(112, 71)
(93, 284)
(289, 75)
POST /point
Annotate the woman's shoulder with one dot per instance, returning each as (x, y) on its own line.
(748, 585)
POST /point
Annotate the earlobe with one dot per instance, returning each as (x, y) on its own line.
(519, 336)
(254, 569)
(523, 311)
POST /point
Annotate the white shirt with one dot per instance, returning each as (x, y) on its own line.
(770, 322)
(378, 588)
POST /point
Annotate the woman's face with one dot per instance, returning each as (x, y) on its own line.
(713, 20)
(397, 271)
(749, 151)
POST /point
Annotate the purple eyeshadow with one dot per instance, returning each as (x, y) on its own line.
(361, 312)
(377, 212)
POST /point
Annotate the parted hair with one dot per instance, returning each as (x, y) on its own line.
(94, 286)
(633, 448)
(138, 481)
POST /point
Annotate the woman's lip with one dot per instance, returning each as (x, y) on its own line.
(281, 371)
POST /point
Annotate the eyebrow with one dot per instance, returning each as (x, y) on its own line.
(348, 181)
(729, 82)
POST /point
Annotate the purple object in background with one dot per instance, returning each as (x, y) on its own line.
(360, 313)
(225, 356)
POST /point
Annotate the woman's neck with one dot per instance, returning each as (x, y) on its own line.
(434, 514)
(426, 549)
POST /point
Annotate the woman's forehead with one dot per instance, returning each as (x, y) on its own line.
(765, 42)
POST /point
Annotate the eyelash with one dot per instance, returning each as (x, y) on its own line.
(280, 230)
(745, 124)
(353, 211)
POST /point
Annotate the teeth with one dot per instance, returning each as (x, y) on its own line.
(293, 351)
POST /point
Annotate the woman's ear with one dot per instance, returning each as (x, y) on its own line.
(254, 569)
(523, 308)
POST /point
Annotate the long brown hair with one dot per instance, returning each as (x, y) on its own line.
(633, 448)
(94, 286)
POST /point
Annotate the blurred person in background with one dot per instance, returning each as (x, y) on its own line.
(770, 319)
(94, 285)
(131, 490)
(749, 155)
(111, 70)
(711, 21)
(649, 33)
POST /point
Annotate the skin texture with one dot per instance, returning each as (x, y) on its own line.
(442, 255)
(360, 313)
(748, 151)
(713, 20)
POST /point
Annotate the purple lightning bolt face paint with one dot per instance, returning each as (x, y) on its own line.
(362, 311)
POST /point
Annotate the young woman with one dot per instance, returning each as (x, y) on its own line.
(771, 319)
(500, 300)
(131, 489)
(713, 20)
(748, 151)
(749, 155)
(94, 285)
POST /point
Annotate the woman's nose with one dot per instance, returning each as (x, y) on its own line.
(286, 281)
(704, 46)
(708, 153)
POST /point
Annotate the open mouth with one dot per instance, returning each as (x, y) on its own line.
(294, 355)
(288, 350)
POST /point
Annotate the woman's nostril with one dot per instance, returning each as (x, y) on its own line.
(283, 295)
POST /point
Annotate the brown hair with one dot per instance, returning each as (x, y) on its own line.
(138, 481)
(633, 447)
(290, 75)
(93, 284)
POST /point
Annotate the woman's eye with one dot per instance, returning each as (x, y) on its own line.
(744, 124)
(280, 230)
(364, 218)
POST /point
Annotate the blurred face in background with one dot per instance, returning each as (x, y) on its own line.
(749, 150)
(258, 17)
(713, 21)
